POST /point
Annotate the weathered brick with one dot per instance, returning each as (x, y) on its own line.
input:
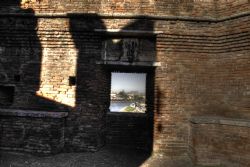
(202, 48)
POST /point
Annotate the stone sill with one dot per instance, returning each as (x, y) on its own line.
(145, 64)
(127, 114)
(220, 121)
(32, 113)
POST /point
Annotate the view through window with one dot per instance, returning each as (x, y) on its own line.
(128, 92)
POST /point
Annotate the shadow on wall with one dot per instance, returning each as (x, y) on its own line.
(92, 95)
(20, 79)
(93, 88)
(20, 67)
(21, 59)
(131, 130)
(92, 122)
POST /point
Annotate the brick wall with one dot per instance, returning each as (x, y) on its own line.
(204, 67)
(231, 7)
(204, 70)
(164, 7)
(193, 8)
(35, 132)
(129, 130)
(220, 141)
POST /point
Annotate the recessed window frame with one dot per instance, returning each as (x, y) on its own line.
(130, 74)
(150, 73)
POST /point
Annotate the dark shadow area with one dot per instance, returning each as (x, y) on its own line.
(21, 58)
(119, 130)
(158, 105)
(133, 130)
(20, 79)
(20, 54)
(88, 123)
(106, 157)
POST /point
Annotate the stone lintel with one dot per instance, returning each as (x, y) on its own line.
(145, 64)
(220, 121)
(32, 113)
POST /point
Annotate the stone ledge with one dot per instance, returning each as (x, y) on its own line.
(220, 121)
(146, 64)
(32, 113)
(127, 16)
(127, 114)
(128, 32)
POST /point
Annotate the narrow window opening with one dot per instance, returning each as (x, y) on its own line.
(72, 80)
(128, 92)
(17, 78)
(6, 95)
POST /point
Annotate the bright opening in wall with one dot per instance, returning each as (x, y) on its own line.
(128, 92)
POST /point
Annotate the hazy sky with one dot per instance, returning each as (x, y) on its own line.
(128, 82)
